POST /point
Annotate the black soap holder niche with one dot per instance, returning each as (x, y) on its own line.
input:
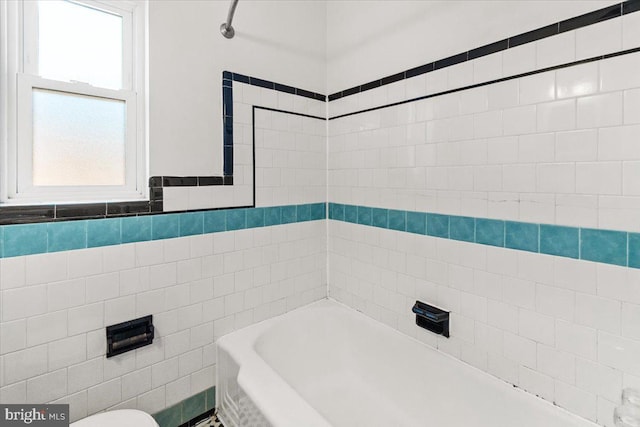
(127, 336)
(432, 318)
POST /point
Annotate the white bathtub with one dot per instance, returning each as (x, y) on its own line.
(328, 365)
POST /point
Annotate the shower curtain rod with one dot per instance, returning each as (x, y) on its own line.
(226, 29)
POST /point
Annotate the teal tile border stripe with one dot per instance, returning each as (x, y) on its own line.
(30, 239)
(604, 246)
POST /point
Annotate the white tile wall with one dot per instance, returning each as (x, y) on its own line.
(288, 139)
(54, 307)
(558, 147)
(525, 149)
(58, 355)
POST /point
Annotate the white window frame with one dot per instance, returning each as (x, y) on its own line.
(18, 68)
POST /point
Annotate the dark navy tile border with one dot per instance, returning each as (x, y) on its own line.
(574, 23)
(503, 79)
(604, 246)
(60, 212)
(254, 81)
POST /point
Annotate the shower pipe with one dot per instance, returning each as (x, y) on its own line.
(225, 28)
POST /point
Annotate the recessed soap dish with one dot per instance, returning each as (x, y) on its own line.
(432, 318)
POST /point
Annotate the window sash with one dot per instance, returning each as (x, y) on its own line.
(17, 82)
(30, 32)
(24, 189)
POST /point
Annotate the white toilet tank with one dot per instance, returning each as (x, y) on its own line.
(119, 418)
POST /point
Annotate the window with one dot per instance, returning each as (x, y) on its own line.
(74, 104)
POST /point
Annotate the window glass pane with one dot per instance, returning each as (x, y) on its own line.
(76, 42)
(77, 139)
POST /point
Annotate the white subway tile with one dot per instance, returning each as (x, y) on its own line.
(178, 391)
(598, 312)
(620, 72)
(70, 293)
(416, 86)
(13, 336)
(502, 316)
(619, 283)
(538, 88)
(152, 401)
(600, 110)
(14, 394)
(619, 353)
(518, 292)
(576, 400)
(618, 143)
(502, 150)
(85, 375)
(48, 327)
(460, 75)
(48, 387)
(136, 383)
(579, 80)
(556, 50)
(520, 350)
(630, 31)
(599, 39)
(557, 364)
(149, 253)
(537, 327)
(599, 380)
(119, 257)
(176, 249)
(556, 116)
(487, 124)
(581, 145)
(536, 148)
(502, 368)
(519, 59)
(556, 178)
(120, 310)
(104, 395)
(102, 287)
(12, 272)
(519, 120)
(164, 372)
(474, 100)
(24, 302)
(25, 364)
(631, 178)
(85, 262)
(487, 68)
(68, 351)
(555, 302)
(576, 339)
(577, 210)
(632, 106)
(536, 383)
(503, 94)
(519, 178)
(44, 268)
(86, 318)
(118, 366)
(631, 321)
(599, 178)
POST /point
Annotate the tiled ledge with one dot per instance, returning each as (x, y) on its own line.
(29, 239)
(605, 246)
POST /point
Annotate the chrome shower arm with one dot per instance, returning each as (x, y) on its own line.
(226, 29)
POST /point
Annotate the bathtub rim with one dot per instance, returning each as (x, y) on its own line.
(263, 393)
